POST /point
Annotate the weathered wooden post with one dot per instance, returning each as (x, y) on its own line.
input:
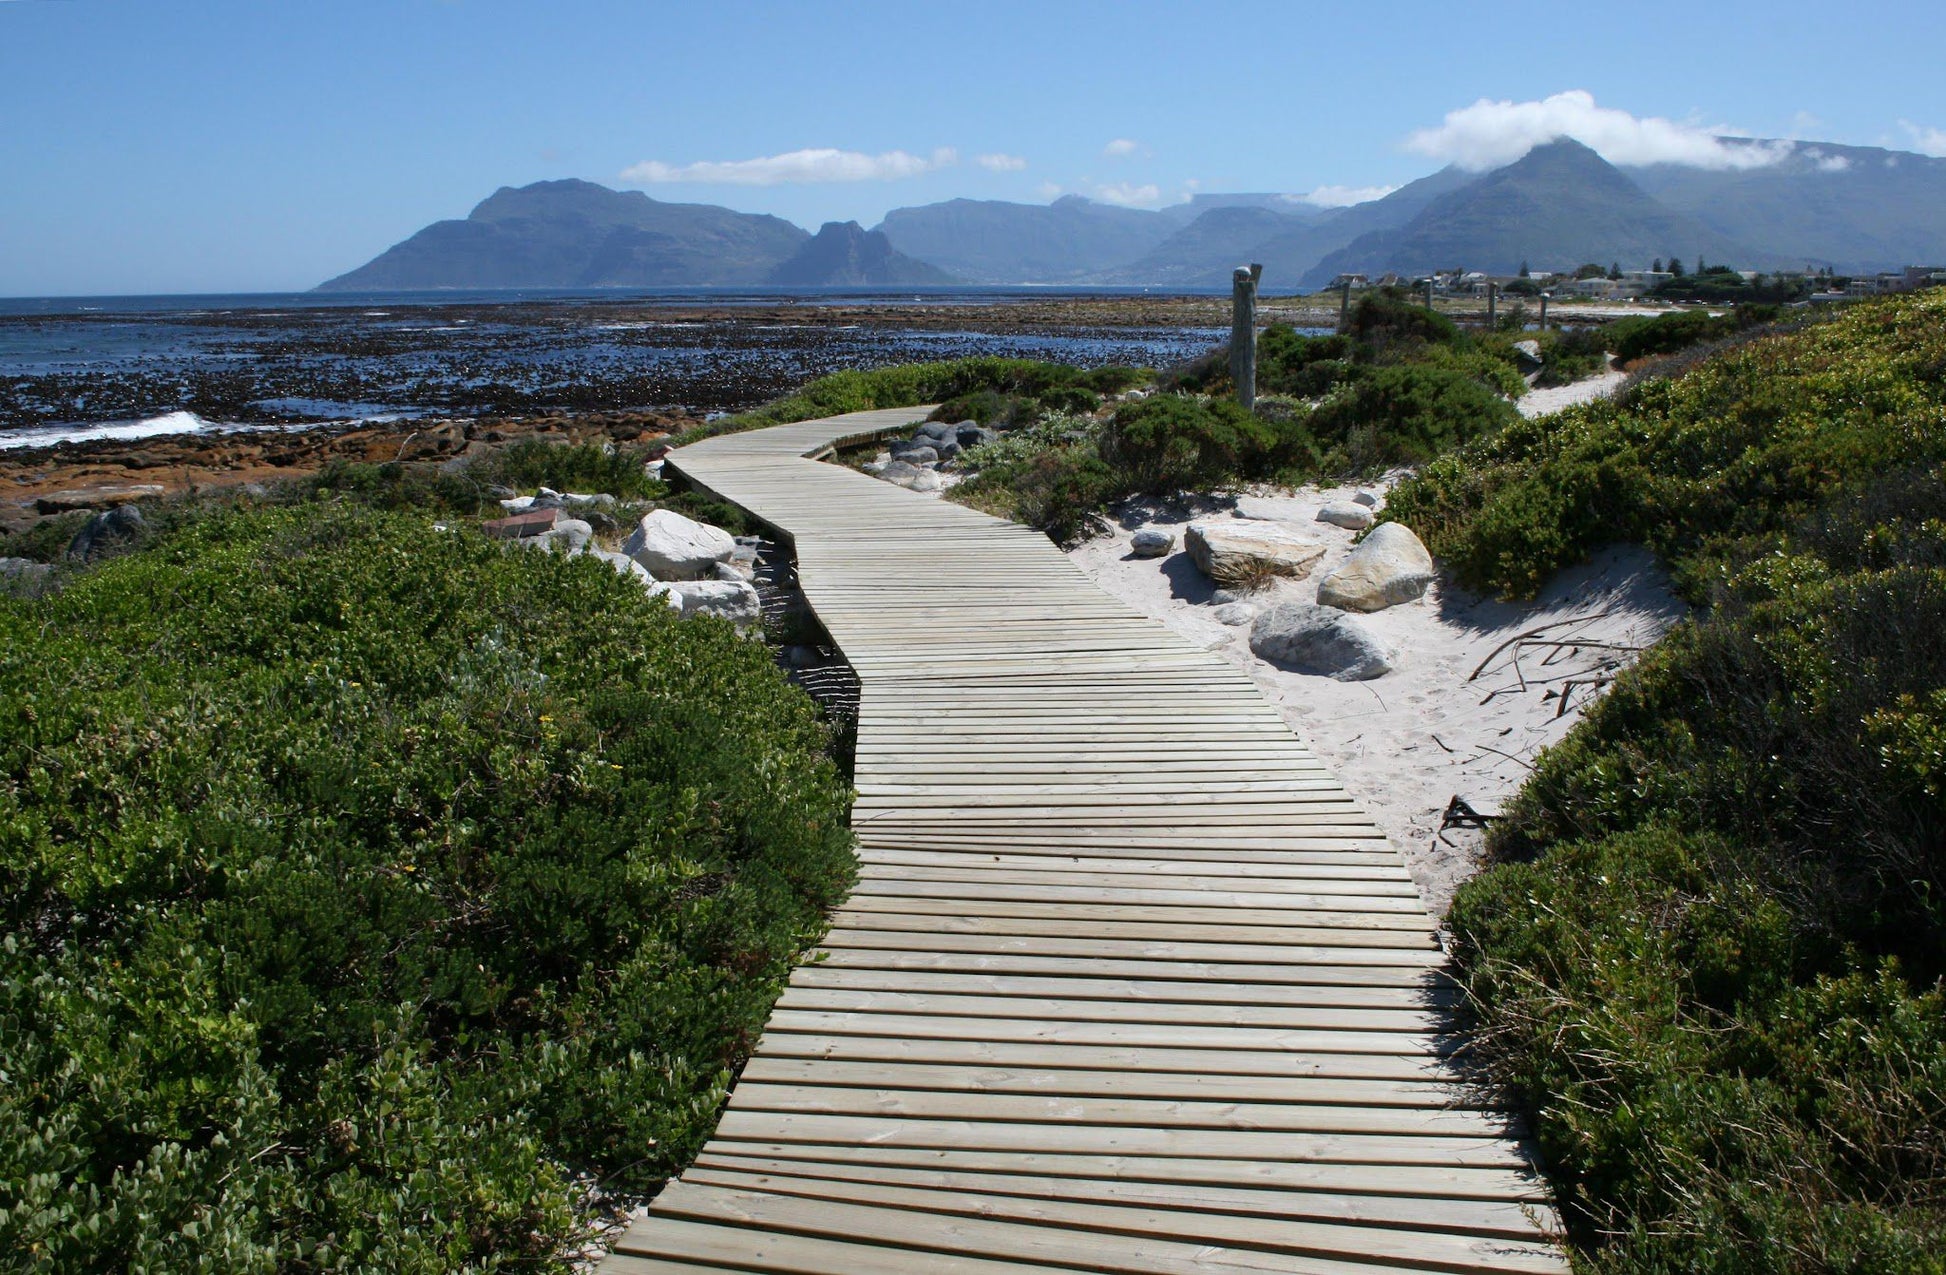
(1493, 295)
(1344, 307)
(1544, 297)
(1429, 304)
(1243, 332)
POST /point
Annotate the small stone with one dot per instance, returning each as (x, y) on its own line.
(1319, 640)
(927, 480)
(1223, 597)
(1152, 542)
(915, 453)
(519, 526)
(1369, 499)
(1353, 517)
(1234, 614)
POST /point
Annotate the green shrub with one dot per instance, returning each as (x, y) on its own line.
(1745, 443)
(1406, 414)
(1057, 489)
(532, 463)
(1389, 317)
(1173, 442)
(369, 891)
(1710, 953)
(1572, 354)
(911, 384)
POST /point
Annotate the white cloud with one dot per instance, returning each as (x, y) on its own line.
(1489, 134)
(817, 165)
(1051, 190)
(1927, 141)
(1341, 196)
(1827, 163)
(1122, 148)
(1128, 195)
(997, 163)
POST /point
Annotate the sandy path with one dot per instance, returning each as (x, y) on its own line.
(1407, 743)
(1541, 402)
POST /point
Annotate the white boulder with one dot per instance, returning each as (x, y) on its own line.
(1224, 550)
(732, 600)
(1152, 542)
(673, 547)
(1388, 567)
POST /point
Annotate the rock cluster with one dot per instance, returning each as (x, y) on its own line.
(694, 567)
(1266, 539)
(924, 461)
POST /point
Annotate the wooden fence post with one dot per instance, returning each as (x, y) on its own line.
(1493, 295)
(1543, 311)
(1243, 332)
(1344, 308)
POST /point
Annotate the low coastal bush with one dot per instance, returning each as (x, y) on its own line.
(911, 384)
(375, 898)
(1709, 956)
(1404, 414)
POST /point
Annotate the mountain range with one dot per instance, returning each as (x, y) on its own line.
(1852, 208)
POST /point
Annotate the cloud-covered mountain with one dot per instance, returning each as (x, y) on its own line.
(575, 234)
(1559, 205)
(1852, 207)
(1760, 204)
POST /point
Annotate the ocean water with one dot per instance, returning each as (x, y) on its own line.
(85, 368)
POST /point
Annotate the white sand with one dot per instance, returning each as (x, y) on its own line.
(1407, 743)
(1538, 402)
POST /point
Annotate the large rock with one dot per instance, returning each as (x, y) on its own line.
(900, 474)
(110, 526)
(673, 547)
(61, 502)
(915, 453)
(1388, 567)
(23, 577)
(733, 600)
(1273, 509)
(1347, 514)
(1320, 640)
(1152, 542)
(1229, 550)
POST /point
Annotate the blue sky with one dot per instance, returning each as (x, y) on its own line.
(166, 146)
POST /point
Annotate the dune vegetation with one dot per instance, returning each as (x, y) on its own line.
(378, 898)
(1709, 954)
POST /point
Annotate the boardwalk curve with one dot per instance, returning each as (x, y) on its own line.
(1128, 983)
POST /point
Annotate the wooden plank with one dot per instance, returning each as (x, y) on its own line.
(1461, 1254)
(1127, 983)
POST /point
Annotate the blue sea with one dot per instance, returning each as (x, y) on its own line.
(80, 368)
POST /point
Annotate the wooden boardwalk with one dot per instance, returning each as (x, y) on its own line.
(1128, 982)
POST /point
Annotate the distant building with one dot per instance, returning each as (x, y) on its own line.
(1917, 277)
(1352, 281)
(1599, 289)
